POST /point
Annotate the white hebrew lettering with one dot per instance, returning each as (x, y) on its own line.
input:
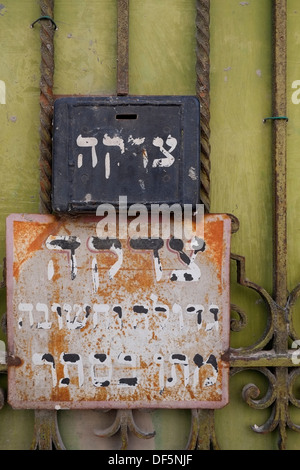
(57, 308)
(196, 310)
(214, 310)
(50, 270)
(178, 311)
(96, 360)
(118, 310)
(115, 141)
(23, 307)
(87, 142)
(46, 358)
(178, 359)
(211, 361)
(123, 371)
(127, 359)
(105, 243)
(159, 359)
(67, 360)
(162, 310)
(211, 380)
(95, 275)
(67, 309)
(142, 309)
(145, 159)
(169, 159)
(74, 324)
(107, 166)
(112, 244)
(154, 244)
(76, 317)
(101, 308)
(63, 243)
(136, 141)
(43, 308)
(79, 160)
(193, 272)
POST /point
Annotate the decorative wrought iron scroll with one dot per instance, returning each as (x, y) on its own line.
(271, 355)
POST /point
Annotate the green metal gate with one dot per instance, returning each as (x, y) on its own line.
(240, 59)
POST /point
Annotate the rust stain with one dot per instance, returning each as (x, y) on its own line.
(214, 240)
(28, 238)
(57, 345)
(151, 338)
(57, 275)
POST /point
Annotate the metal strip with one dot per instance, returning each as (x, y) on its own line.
(122, 53)
(279, 172)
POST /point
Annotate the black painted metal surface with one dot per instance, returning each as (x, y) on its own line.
(144, 148)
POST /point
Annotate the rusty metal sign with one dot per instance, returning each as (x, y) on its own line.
(143, 146)
(115, 323)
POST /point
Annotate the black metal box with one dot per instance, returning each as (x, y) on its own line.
(144, 148)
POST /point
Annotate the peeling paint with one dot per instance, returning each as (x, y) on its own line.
(103, 323)
(192, 173)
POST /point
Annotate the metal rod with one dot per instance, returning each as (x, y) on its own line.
(46, 104)
(123, 48)
(202, 428)
(46, 429)
(263, 359)
(202, 92)
(279, 174)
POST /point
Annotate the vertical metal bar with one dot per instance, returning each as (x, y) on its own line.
(202, 435)
(46, 429)
(202, 432)
(279, 174)
(202, 92)
(122, 44)
(46, 104)
(46, 432)
(280, 205)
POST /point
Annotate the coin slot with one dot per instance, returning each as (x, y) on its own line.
(126, 116)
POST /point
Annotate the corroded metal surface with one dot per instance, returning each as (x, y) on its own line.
(279, 328)
(46, 432)
(124, 422)
(124, 323)
(46, 104)
(203, 93)
(279, 170)
(144, 147)
(123, 52)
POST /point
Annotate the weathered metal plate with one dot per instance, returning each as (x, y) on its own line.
(145, 148)
(129, 324)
